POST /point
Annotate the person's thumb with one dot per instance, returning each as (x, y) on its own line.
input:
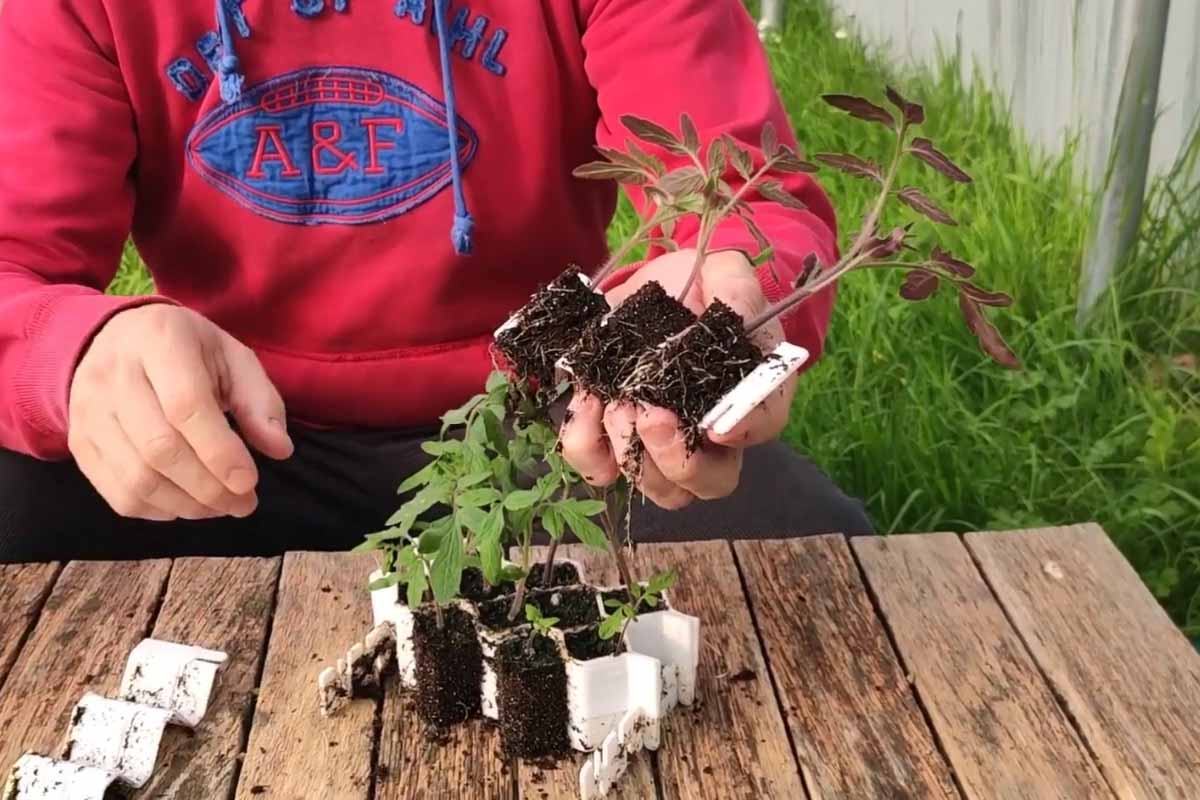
(255, 402)
(729, 276)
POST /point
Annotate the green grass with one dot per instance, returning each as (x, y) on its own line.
(904, 411)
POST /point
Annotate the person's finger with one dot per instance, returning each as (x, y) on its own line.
(139, 478)
(659, 489)
(255, 402)
(620, 421)
(729, 277)
(707, 473)
(163, 449)
(584, 442)
(764, 423)
(120, 499)
(187, 392)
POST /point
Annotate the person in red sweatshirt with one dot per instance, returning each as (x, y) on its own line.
(339, 201)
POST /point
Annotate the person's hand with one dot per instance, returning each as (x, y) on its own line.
(596, 437)
(146, 416)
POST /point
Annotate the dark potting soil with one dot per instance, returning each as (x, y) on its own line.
(692, 373)
(565, 574)
(494, 614)
(449, 667)
(531, 687)
(476, 589)
(620, 595)
(550, 325)
(573, 605)
(608, 353)
(586, 644)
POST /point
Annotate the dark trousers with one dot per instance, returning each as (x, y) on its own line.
(340, 485)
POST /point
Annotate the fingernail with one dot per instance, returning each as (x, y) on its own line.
(278, 423)
(658, 436)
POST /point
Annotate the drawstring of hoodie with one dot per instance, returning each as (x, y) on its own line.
(229, 14)
(464, 225)
(230, 17)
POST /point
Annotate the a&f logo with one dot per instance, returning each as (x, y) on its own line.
(329, 145)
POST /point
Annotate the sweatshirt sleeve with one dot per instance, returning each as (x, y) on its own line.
(66, 199)
(703, 57)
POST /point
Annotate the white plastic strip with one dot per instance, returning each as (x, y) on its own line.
(673, 638)
(387, 607)
(175, 677)
(737, 404)
(608, 764)
(36, 777)
(118, 736)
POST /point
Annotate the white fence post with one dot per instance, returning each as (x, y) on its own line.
(1119, 212)
(772, 16)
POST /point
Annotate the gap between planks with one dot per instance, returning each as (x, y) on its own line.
(1123, 672)
(985, 699)
(89, 623)
(24, 589)
(855, 724)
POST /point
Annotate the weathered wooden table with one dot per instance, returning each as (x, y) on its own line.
(1002, 665)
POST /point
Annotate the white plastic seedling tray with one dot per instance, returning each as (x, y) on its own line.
(615, 704)
(117, 741)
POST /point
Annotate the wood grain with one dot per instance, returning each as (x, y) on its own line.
(997, 720)
(23, 590)
(537, 783)
(467, 765)
(223, 604)
(294, 753)
(1128, 678)
(93, 617)
(733, 743)
(857, 729)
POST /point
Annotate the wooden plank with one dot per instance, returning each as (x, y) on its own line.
(733, 742)
(1128, 678)
(468, 764)
(562, 783)
(996, 718)
(23, 590)
(294, 753)
(223, 604)
(93, 617)
(857, 729)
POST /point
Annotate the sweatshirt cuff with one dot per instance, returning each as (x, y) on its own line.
(58, 333)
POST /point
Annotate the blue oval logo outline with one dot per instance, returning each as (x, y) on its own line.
(329, 145)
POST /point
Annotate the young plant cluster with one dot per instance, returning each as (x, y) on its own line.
(496, 477)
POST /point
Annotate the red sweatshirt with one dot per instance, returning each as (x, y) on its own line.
(285, 169)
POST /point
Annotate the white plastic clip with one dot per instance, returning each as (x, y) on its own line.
(175, 677)
(768, 376)
(36, 777)
(117, 736)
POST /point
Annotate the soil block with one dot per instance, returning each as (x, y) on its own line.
(692, 373)
(476, 589)
(532, 695)
(449, 667)
(565, 574)
(493, 614)
(573, 605)
(549, 325)
(608, 353)
(586, 644)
